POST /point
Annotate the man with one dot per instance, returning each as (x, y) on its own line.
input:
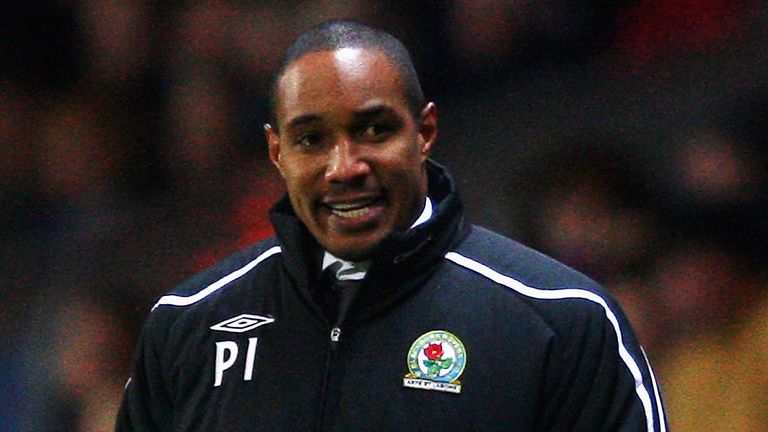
(377, 307)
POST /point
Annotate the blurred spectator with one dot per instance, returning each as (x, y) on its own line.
(93, 343)
(716, 181)
(702, 287)
(592, 207)
(75, 378)
(118, 41)
(76, 156)
(202, 131)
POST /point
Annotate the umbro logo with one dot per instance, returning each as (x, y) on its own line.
(242, 323)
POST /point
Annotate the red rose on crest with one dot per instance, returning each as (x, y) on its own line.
(434, 351)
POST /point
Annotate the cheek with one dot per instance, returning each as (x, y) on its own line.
(405, 166)
(403, 157)
(297, 169)
(292, 179)
(301, 183)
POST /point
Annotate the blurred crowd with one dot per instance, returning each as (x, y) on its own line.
(626, 138)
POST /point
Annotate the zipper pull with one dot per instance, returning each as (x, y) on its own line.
(335, 335)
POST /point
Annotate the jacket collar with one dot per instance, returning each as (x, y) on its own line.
(402, 262)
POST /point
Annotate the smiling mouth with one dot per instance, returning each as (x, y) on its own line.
(353, 209)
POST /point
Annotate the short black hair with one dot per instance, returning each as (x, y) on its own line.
(338, 34)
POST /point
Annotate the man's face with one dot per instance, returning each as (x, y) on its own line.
(351, 152)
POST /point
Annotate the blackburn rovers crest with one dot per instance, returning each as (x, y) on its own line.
(436, 360)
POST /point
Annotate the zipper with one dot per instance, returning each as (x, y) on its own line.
(335, 336)
(332, 380)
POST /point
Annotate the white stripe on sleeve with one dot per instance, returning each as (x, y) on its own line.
(175, 300)
(559, 294)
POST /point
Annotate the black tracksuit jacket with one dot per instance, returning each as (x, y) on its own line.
(248, 345)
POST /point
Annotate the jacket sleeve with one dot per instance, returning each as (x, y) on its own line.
(146, 404)
(598, 378)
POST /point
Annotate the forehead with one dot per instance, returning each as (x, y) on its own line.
(333, 82)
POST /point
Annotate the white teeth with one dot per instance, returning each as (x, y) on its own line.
(351, 213)
(347, 206)
(352, 209)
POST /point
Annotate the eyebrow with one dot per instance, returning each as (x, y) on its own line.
(374, 111)
(302, 120)
(364, 113)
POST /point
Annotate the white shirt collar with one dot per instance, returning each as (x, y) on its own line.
(356, 270)
(425, 214)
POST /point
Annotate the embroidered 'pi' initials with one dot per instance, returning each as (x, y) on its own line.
(226, 357)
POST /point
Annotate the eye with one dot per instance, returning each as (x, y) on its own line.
(308, 139)
(375, 132)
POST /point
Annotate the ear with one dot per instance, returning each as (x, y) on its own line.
(273, 143)
(428, 129)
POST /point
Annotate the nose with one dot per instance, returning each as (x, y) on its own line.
(345, 163)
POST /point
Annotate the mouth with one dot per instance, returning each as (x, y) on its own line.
(352, 209)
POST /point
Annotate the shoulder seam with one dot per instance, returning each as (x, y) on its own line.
(573, 293)
(177, 300)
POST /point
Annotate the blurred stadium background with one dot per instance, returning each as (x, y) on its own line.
(627, 138)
